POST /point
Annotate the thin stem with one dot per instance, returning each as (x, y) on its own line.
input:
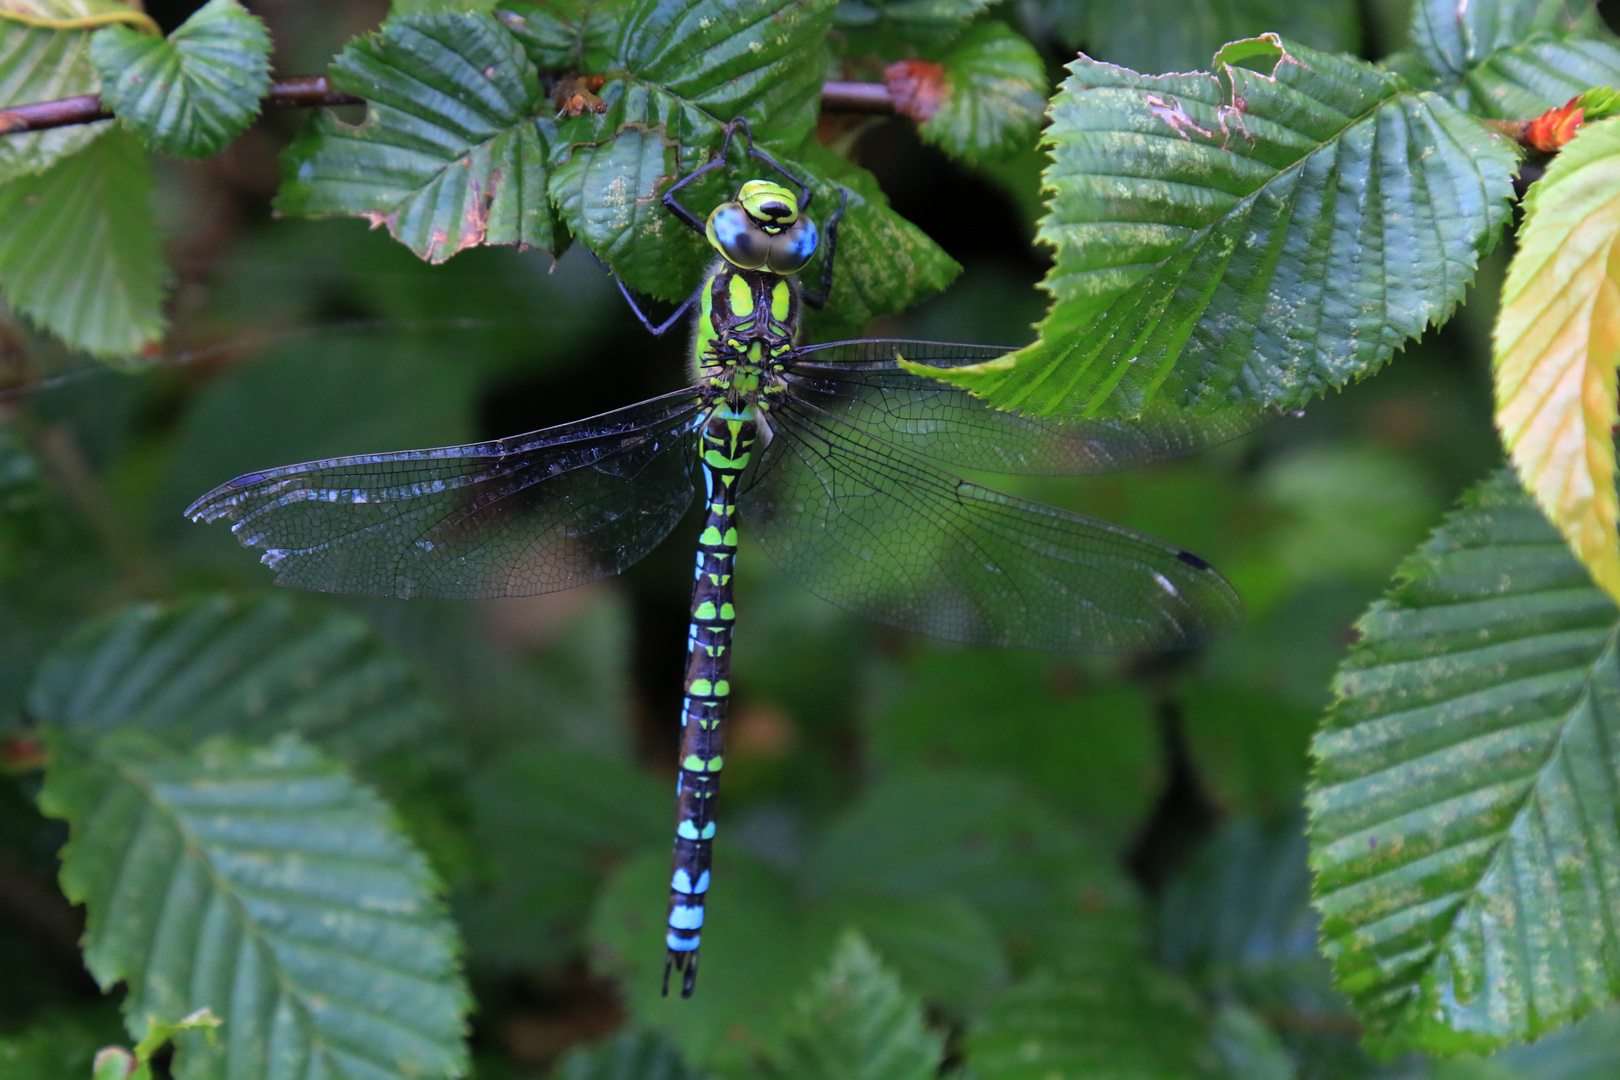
(306, 91)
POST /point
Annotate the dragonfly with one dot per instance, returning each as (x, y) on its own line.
(835, 457)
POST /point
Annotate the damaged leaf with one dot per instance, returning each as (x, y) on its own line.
(454, 147)
(1247, 236)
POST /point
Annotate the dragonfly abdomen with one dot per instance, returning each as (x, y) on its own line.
(726, 441)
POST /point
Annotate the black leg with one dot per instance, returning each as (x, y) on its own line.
(692, 221)
(819, 298)
(662, 328)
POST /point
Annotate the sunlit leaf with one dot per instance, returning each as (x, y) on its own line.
(451, 154)
(1465, 823)
(1247, 236)
(855, 1021)
(193, 92)
(995, 93)
(1556, 345)
(42, 63)
(80, 254)
(269, 886)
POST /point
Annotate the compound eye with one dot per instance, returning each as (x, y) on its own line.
(733, 234)
(792, 247)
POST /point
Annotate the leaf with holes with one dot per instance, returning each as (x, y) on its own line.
(80, 253)
(1247, 236)
(248, 668)
(270, 886)
(1465, 827)
(193, 92)
(451, 154)
(42, 62)
(995, 93)
(1556, 345)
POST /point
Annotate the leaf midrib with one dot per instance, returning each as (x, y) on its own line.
(319, 1044)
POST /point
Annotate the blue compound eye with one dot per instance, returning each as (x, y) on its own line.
(733, 233)
(792, 247)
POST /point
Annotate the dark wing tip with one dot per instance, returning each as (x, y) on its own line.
(1193, 561)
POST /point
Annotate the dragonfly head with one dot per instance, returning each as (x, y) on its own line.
(762, 227)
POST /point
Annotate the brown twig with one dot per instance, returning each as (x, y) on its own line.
(307, 91)
(299, 91)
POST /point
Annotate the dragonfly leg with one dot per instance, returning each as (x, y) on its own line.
(818, 298)
(662, 328)
(674, 205)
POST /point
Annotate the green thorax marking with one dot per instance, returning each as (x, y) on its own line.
(747, 321)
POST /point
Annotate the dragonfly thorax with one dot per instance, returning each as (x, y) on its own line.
(747, 321)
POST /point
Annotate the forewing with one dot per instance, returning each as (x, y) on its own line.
(881, 533)
(861, 383)
(528, 514)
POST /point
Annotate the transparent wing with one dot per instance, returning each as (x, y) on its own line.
(514, 517)
(881, 533)
(861, 383)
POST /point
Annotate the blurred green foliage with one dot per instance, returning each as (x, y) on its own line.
(936, 859)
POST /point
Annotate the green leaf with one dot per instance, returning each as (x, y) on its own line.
(80, 254)
(577, 36)
(630, 1055)
(1453, 39)
(43, 63)
(248, 668)
(608, 195)
(944, 949)
(57, 1047)
(1047, 891)
(855, 1022)
(884, 264)
(755, 955)
(1514, 58)
(1132, 1024)
(701, 62)
(995, 93)
(1247, 236)
(551, 823)
(892, 28)
(451, 153)
(1464, 816)
(688, 67)
(1106, 769)
(193, 92)
(268, 885)
(1155, 36)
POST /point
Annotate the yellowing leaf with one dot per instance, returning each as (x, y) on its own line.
(1556, 345)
